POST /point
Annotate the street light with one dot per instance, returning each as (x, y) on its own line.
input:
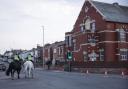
(43, 48)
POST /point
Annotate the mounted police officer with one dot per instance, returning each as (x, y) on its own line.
(16, 58)
(30, 58)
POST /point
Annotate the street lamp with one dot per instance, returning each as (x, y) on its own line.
(43, 48)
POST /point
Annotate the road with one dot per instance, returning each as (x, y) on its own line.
(49, 79)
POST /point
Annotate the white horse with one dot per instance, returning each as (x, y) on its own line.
(28, 69)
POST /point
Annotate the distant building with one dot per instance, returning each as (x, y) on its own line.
(59, 51)
(40, 52)
(48, 54)
(55, 52)
(100, 33)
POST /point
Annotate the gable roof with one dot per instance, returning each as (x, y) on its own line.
(112, 12)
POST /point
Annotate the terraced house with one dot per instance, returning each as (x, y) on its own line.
(55, 52)
(100, 33)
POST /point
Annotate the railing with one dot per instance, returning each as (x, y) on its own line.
(100, 64)
(97, 64)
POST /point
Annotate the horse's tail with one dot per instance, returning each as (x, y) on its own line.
(8, 70)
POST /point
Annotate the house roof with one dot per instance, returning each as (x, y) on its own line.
(112, 12)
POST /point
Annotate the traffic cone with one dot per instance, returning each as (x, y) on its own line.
(87, 72)
(106, 74)
(122, 73)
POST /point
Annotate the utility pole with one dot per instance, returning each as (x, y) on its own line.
(43, 48)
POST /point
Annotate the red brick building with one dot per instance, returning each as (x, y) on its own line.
(100, 33)
(55, 52)
(48, 52)
(59, 51)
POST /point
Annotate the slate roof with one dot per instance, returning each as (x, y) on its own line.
(112, 12)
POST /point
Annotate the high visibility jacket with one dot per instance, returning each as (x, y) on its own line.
(16, 57)
(29, 57)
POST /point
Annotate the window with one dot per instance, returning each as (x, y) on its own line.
(92, 40)
(59, 50)
(68, 41)
(54, 51)
(74, 44)
(85, 55)
(87, 24)
(93, 56)
(93, 27)
(62, 50)
(82, 27)
(123, 54)
(49, 53)
(101, 54)
(121, 35)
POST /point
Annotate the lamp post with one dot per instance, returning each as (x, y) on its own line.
(43, 48)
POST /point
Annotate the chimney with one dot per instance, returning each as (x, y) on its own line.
(115, 4)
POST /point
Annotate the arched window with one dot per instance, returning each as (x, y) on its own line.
(88, 24)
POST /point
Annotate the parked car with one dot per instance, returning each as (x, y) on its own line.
(2, 66)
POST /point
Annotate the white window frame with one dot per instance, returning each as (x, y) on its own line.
(93, 26)
(87, 24)
(74, 44)
(123, 54)
(93, 56)
(122, 34)
(101, 54)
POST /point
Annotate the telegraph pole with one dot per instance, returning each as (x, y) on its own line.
(43, 48)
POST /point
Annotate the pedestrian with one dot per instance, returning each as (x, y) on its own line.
(48, 63)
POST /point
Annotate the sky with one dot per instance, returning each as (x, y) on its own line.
(21, 21)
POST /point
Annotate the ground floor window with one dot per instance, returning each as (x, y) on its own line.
(101, 54)
(123, 54)
(85, 56)
(93, 56)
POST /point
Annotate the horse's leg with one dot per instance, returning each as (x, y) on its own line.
(29, 72)
(12, 74)
(32, 72)
(18, 74)
(26, 72)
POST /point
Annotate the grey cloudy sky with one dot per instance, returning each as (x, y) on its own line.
(21, 21)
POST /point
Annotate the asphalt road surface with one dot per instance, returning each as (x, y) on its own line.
(49, 79)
